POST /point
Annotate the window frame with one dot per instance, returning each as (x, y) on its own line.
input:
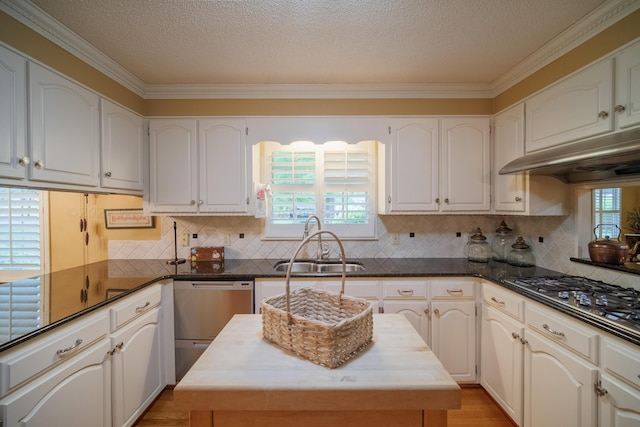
(320, 188)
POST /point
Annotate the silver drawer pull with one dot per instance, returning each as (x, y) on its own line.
(501, 303)
(551, 331)
(139, 309)
(405, 293)
(455, 291)
(62, 353)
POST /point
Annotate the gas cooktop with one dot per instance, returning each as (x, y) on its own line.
(613, 303)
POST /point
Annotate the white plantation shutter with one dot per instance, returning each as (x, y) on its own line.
(335, 184)
(20, 254)
(607, 211)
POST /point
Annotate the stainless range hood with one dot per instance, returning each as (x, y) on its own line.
(607, 157)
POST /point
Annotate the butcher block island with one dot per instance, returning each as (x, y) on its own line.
(242, 380)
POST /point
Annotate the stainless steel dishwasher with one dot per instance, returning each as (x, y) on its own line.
(202, 308)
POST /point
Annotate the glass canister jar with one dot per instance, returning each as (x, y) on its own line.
(501, 243)
(520, 254)
(478, 248)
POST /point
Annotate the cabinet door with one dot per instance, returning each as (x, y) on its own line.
(628, 87)
(453, 337)
(508, 145)
(558, 386)
(13, 114)
(465, 164)
(122, 148)
(620, 405)
(137, 368)
(173, 182)
(223, 166)
(414, 165)
(77, 393)
(501, 357)
(65, 130)
(417, 312)
(575, 108)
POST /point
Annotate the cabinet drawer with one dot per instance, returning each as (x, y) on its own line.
(453, 289)
(504, 300)
(34, 357)
(405, 289)
(621, 360)
(369, 289)
(135, 305)
(563, 330)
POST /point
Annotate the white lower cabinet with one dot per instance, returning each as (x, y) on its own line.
(619, 386)
(558, 385)
(76, 393)
(137, 368)
(501, 356)
(82, 375)
(416, 313)
(455, 319)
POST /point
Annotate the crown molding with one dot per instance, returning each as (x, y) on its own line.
(319, 91)
(595, 22)
(33, 17)
(601, 18)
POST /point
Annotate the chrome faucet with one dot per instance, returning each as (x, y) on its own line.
(322, 252)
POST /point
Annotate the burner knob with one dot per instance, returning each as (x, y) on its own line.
(585, 300)
(563, 294)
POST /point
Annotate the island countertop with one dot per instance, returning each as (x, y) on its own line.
(243, 375)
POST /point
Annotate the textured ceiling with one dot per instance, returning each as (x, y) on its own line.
(317, 41)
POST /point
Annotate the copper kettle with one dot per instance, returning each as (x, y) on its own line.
(607, 250)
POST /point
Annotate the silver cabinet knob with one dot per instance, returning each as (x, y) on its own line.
(518, 199)
(446, 200)
(107, 174)
(24, 161)
(200, 202)
(193, 202)
(436, 312)
(603, 115)
(438, 200)
(39, 164)
(619, 108)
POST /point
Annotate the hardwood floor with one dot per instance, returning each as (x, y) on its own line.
(478, 410)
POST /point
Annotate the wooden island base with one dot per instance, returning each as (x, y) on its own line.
(242, 380)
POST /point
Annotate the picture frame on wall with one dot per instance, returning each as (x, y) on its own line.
(127, 218)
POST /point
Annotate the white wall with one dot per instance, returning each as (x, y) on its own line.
(435, 237)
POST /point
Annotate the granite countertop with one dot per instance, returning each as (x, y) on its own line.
(77, 291)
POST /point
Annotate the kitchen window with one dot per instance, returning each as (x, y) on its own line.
(334, 181)
(607, 211)
(22, 225)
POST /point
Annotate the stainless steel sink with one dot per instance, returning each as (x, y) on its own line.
(319, 267)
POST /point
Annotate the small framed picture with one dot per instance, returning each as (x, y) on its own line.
(127, 218)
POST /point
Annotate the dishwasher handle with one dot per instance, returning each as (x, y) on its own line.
(214, 285)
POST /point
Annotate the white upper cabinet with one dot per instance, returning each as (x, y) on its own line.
(173, 161)
(13, 115)
(465, 164)
(65, 130)
(521, 193)
(575, 108)
(412, 166)
(508, 145)
(197, 172)
(436, 165)
(122, 148)
(224, 178)
(627, 99)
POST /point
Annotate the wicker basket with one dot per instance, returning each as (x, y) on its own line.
(323, 327)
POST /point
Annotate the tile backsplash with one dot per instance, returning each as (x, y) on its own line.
(434, 236)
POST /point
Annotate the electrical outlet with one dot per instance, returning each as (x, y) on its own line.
(395, 238)
(226, 239)
(185, 239)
